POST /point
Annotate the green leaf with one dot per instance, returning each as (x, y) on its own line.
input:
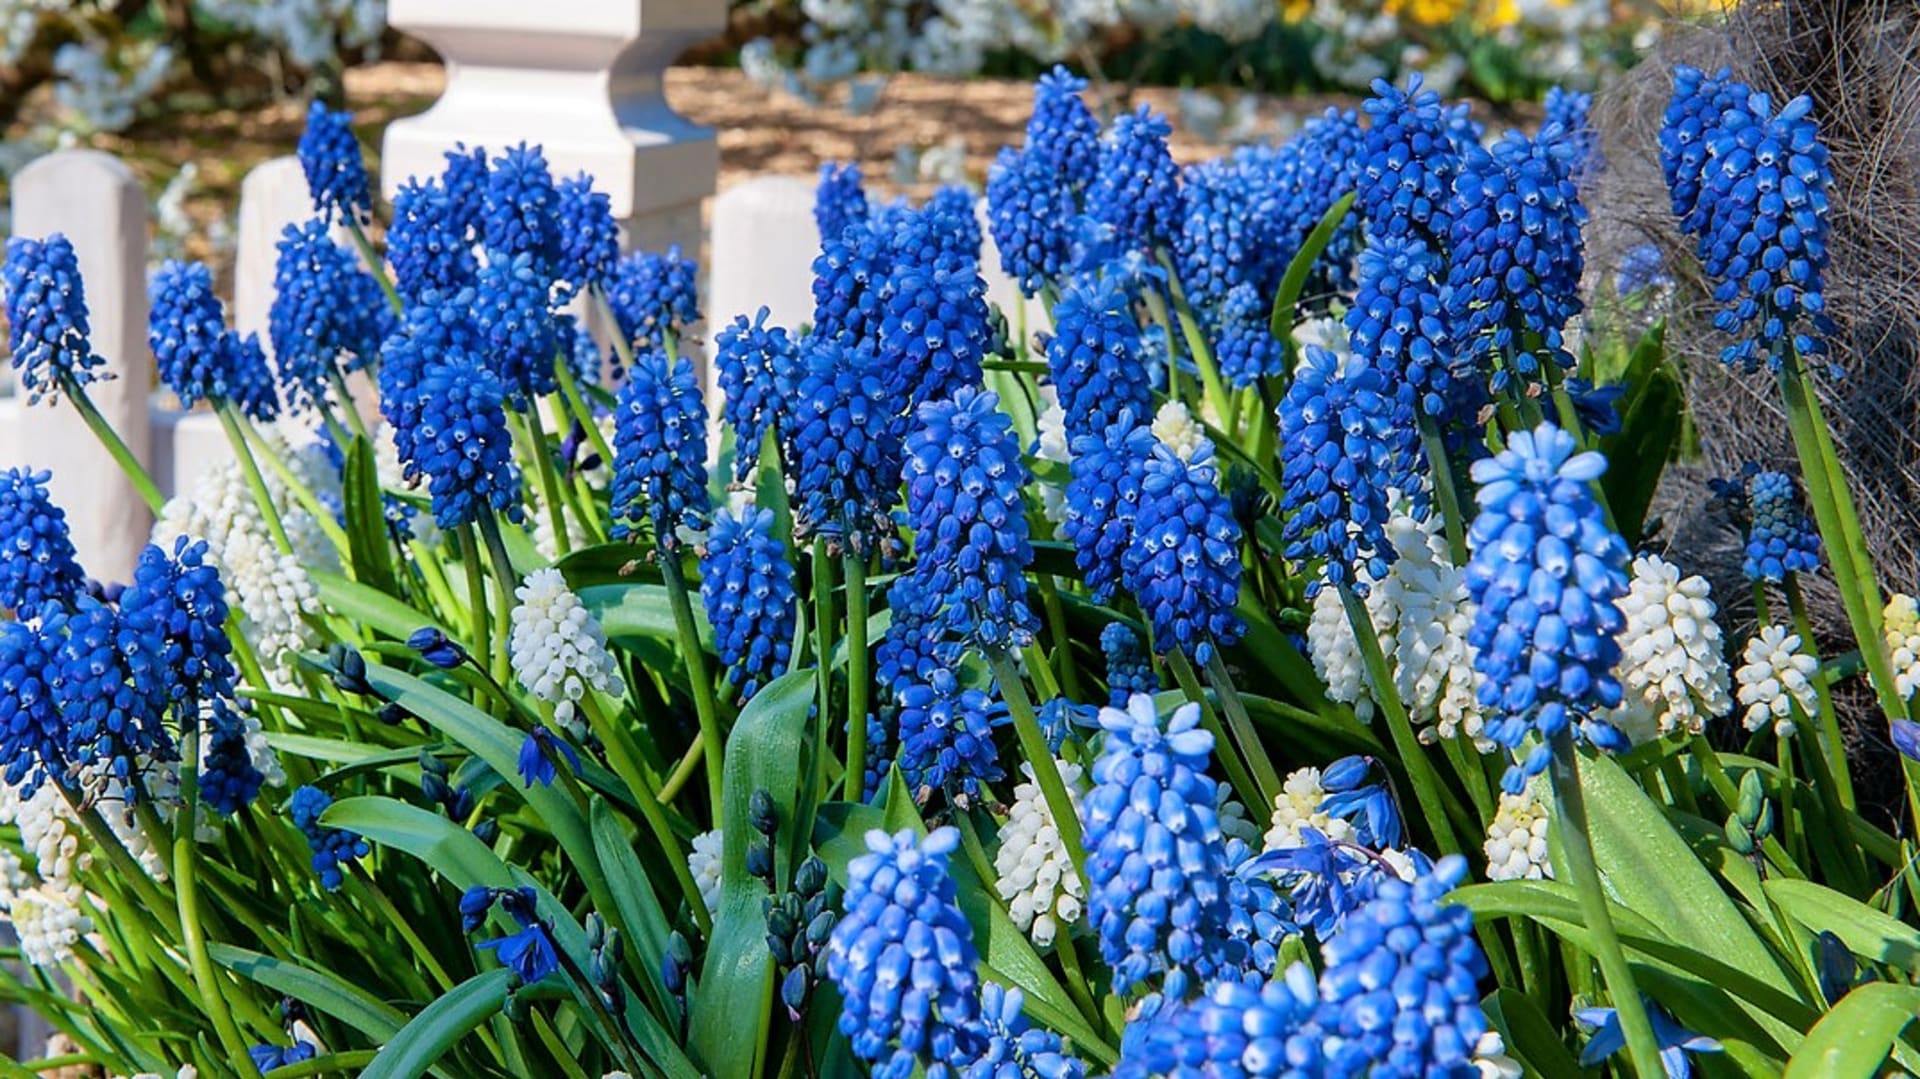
(368, 607)
(1858, 1035)
(451, 850)
(429, 1035)
(1865, 931)
(1529, 1037)
(350, 1004)
(1651, 421)
(640, 609)
(335, 751)
(646, 923)
(1294, 281)
(366, 518)
(767, 750)
(608, 564)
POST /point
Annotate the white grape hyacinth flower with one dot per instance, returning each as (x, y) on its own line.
(1902, 630)
(1775, 676)
(704, 861)
(1516, 844)
(1297, 806)
(48, 922)
(1177, 430)
(1672, 664)
(559, 651)
(1050, 444)
(1035, 873)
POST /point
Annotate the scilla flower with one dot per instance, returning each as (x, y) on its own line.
(336, 174)
(1775, 677)
(558, 649)
(946, 737)
(528, 952)
(1184, 562)
(904, 961)
(188, 333)
(332, 848)
(460, 442)
(1342, 446)
(540, 755)
(1156, 861)
(1516, 844)
(1401, 982)
(1548, 574)
(660, 451)
(47, 329)
(746, 584)
(1035, 874)
(39, 566)
(964, 476)
(327, 312)
(843, 445)
(1673, 666)
(1408, 164)
(1094, 357)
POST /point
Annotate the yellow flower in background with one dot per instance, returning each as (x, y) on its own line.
(1427, 12)
(1501, 14)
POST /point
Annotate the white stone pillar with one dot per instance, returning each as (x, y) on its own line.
(96, 201)
(581, 78)
(764, 244)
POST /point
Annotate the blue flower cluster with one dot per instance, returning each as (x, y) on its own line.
(514, 319)
(1156, 859)
(1514, 278)
(746, 584)
(917, 642)
(1547, 573)
(1760, 216)
(660, 451)
(1183, 564)
(1408, 164)
(1063, 130)
(1570, 113)
(33, 736)
(1247, 351)
(436, 329)
(1129, 668)
(1398, 324)
(459, 440)
(589, 238)
(1305, 176)
(1781, 538)
(229, 780)
(1239, 1028)
(332, 848)
(192, 348)
(519, 214)
(111, 691)
(40, 566)
(843, 445)
(1103, 500)
(1401, 984)
(840, 200)
(1015, 1048)
(654, 296)
(946, 737)
(1342, 445)
(336, 174)
(1692, 118)
(47, 330)
(180, 602)
(429, 246)
(1223, 241)
(964, 477)
(752, 360)
(325, 307)
(937, 327)
(1136, 189)
(1034, 191)
(903, 958)
(1094, 357)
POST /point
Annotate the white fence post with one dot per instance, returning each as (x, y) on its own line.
(96, 201)
(764, 243)
(581, 78)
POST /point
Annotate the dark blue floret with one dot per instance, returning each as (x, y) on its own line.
(1129, 668)
(1094, 357)
(589, 238)
(39, 566)
(1247, 351)
(746, 584)
(1398, 324)
(946, 737)
(229, 782)
(33, 736)
(751, 358)
(180, 601)
(1408, 164)
(654, 296)
(660, 451)
(332, 848)
(521, 209)
(1572, 111)
(839, 201)
(843, 445)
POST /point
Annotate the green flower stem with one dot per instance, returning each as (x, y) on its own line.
(1038, 669)
(1242, 726)
(624, 756)
(1214, 390)
(136, 472)
(577, 405)
(682, 772)
(298, 488)
(1571, 809)
(1440, 467)
(1046, 769)
(251, 470)
(479, 618)
(696, 660)
(1157, 309)
(1077, 985)
(1830, 739)
(347, 404)
(1729, 795)
(435, 574)
(858, 662)
(375, 264)
(1467, 765)
(1239, 776)
(1679, 790)
(550, 490)
(505, 581)
(622, 347)
(1437, 807)
(187, 895)
(1068, 673)
(823, 623)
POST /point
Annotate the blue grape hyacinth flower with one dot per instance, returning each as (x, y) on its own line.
(752, 360)
(1136, 188)
(964, 476)
(1399, 324)
(1184, 562)
(460, 441)
(946, 737)
(918, 641)
(251, 379)
(229, 780)
(333, 849)
(187, 331)
(839, 200)
(1570, 112)
(1401, 982)
(513, 314)
(1409, 159)
(1548, 574)
(1028, 207)
(40, 566)
(746, 584)
(660, 451)
(843, 445)
(1015, 1048)
(336, 172)
(1062, 130)
(1238, 1028)
(47, 330)
(654, 295)
(1692, 118)
(178, 599)
(520, 211)
(1103, 500)
(1156, 859)
(429, 244)
(1247, 350)
(327, 312)
(1094, 357)
(1129, 668)
(936, 327)
(1781, 538)
(33, 735)
(589, 237)
(903, 957)
(266, 1058)
(111, 692)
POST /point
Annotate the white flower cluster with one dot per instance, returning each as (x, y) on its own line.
(44, 903)
(1051, 445)
(1516, 843)
(1775, 676)
(307, 29)
(19, 22)
(1177, 430)
(1672, 666)
(1421, 612)
(1902, 629)
(1298, 806)
(1036, 875)
(704, 860)
(99, 87)
(558, 650)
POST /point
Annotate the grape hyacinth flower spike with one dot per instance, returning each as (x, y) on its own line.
(47, 328)
(40, 566)
(336, 172)
(660, 451)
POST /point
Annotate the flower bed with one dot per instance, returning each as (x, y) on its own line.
(1262, 672)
